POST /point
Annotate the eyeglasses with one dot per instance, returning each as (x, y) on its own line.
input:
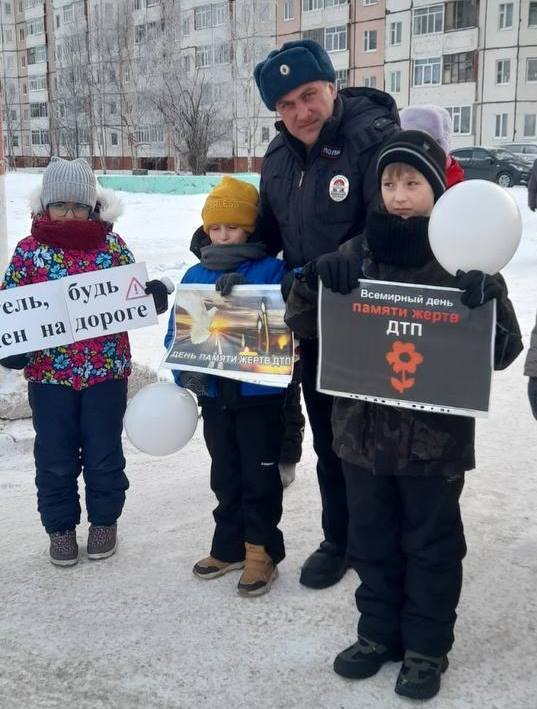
(78, 209)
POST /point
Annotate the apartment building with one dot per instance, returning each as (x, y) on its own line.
(100, 78)
(477, 58)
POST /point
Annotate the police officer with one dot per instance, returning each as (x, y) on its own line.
(317, 181)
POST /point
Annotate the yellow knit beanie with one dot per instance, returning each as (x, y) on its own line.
(231, 202)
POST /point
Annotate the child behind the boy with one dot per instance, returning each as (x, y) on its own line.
(242, 423)
(404, 469)
(78, 392)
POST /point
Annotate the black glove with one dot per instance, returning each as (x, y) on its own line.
(339, 272)
(532, 395)
(226, 281)
(15, 361)
(159, 292)
(287, 284)
(196, 382)
(478, 288)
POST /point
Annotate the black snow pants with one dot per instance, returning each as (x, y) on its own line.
(244, 444)
(406, 541)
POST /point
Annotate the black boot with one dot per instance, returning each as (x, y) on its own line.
(420, 675)
(325, 567)
(364, 659)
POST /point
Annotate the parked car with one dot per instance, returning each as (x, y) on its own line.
(493, 164)
(526, 151)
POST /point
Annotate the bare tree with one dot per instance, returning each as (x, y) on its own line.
(12, 121)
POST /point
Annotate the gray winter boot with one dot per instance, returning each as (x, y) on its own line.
(102, 541)
(63, 548)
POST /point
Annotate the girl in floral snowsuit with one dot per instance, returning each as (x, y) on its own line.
(77, 392)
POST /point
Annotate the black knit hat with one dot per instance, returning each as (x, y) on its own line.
(421, 151)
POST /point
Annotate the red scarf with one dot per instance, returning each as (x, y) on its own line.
(72, 234)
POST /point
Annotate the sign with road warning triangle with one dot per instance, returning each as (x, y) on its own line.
(135, 290)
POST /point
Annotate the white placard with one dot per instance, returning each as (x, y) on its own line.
(79, 307)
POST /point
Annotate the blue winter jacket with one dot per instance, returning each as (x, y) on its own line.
(263, 271)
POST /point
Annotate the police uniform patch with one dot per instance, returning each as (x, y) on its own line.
(339, 188)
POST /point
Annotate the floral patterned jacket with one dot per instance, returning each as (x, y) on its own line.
(81, 364)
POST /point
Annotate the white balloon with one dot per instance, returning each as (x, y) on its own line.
(161, 418)
(475, 225)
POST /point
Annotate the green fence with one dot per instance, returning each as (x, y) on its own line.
(169, 184)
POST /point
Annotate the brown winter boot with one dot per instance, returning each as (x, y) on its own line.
(259, 571)
(212, 568)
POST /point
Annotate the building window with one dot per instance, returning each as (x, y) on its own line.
(531, 70)
(317, 35)
(288, 10)
(114, 139)
(7, 34)
(68, 14)
(210, 16)
(530, 124)
(186, 26)
(34, 27)
(429, 20)
(370, 40)
(40, 137)
(460, 14)
(7, 8)
(342, 79)
(308, 5)
(458, 68)
(427, 71)
(395, 82)
(221, 53)
(370, 82)
(461, 119)
(203, 56)
(532, 15)
(333, 3)
(15, 141)
(335, 38)
(202, 17)
(186, 63)
(265, 134)
(370, 2)
(396, 29)
(503, 71)
(38, 83)
(36, 54)
(505, 17)
(501, 126)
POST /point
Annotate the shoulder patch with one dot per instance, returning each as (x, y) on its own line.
(382, 122)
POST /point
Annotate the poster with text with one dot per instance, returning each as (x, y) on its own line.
(241, 336)
(397, 344)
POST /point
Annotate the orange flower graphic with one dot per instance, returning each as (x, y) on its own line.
(404, 359)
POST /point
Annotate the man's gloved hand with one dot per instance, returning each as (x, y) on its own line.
(339, 272)
(532, 395)
(287, 284)
(226, 281)
(159, 292)
(15, 361)
(478, 288)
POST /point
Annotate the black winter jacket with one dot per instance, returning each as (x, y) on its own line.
(390, 440)
(297, 213)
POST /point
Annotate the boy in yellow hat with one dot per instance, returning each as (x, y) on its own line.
(242, 422)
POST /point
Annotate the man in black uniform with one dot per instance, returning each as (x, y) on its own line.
(317, 180)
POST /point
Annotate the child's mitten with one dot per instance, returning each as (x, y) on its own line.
(226, 282)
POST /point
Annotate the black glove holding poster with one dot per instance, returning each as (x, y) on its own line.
(339, 272)
(226, 281)
(478, 288)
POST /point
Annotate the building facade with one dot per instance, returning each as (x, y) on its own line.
(155, 83)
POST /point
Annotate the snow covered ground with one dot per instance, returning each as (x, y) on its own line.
(138, 630)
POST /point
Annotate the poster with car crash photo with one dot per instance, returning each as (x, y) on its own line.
(241, 336)
(412, 346)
